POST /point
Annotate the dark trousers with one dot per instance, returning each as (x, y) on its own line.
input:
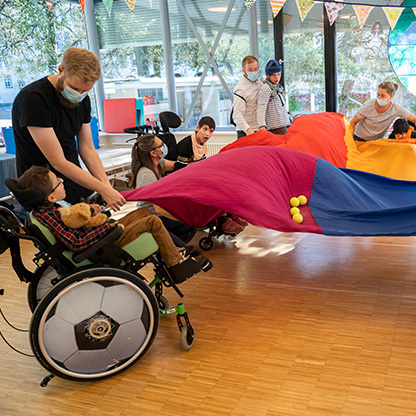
(240, 133)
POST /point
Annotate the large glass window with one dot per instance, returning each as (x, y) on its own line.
(190, 57)
(363, 60)
(32, 40)
(304, 59)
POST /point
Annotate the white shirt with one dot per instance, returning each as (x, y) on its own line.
(373, 125)
(245, 112)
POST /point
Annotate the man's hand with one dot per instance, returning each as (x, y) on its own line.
(113, 198)
(249, 131)
(262, 128)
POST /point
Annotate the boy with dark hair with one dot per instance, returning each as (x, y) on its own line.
(134, 224)
(402, 130)
(194, 147)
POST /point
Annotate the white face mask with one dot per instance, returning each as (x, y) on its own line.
(252, 76)
(382, 101)
(72, 95)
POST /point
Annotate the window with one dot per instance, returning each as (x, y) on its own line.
(8, 83)
(304, 59)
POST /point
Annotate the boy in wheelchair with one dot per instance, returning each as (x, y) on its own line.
(180, 265)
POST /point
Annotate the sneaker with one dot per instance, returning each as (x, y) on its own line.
(239, 220)
(186, 251)
(231, 227)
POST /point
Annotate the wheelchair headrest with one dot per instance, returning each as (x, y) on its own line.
(28, 198)
(169, 119)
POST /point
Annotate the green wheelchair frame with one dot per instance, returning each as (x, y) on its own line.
(94, 315)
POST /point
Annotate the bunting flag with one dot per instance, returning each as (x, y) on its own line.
(362, 13)
(82, 3)
(108, 4)
(130, 3)
(277, 6)
(333, 9)
(249, 3)
(151, 4)
(393, 14)
(48, 3)
(304, 6)
(414, 10)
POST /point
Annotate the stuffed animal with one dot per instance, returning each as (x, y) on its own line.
(81, 216)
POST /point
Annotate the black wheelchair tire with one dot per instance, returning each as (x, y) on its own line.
(111, 282)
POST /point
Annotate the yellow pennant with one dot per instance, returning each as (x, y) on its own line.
(130, 3)
(393, 14)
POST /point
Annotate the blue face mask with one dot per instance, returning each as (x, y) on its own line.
(252, 76)
(72, 95)
(382, 101)
(164, 150)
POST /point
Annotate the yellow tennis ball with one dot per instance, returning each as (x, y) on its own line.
(297, 218)
(302, 199)
(294, 210)
(294, 202)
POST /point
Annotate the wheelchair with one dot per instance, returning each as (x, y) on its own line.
(94, 315)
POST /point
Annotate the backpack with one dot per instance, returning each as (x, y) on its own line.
(232, 110)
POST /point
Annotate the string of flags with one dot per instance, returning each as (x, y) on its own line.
(333, 9)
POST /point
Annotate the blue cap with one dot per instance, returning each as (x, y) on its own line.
(273, 66)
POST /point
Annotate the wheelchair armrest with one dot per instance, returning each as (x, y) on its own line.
(109, 238)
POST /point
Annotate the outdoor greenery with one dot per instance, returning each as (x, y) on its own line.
(33, 37)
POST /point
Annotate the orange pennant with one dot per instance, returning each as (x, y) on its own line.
(82, 3)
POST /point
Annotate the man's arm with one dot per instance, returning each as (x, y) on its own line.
(239, 114)
(49, 145)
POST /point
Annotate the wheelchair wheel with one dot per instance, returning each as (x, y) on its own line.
(40, 285)
(94, 324)
(187, 337)
(206, 243)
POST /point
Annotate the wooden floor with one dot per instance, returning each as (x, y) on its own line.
(286, 324)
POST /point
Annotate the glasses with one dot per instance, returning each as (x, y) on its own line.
(157, 147)
(60, 181)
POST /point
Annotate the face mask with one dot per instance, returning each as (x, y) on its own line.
(252, 76)
(382, 101)
(164, 151)
(72, 95)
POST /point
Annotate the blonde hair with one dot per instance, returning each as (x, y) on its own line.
(249, 59)
(390, 86)
(81, 63)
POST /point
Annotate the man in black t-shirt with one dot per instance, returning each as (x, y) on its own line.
(49, 113)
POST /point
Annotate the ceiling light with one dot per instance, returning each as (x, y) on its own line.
(220, 9)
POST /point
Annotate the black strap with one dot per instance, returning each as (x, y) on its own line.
(238, 95)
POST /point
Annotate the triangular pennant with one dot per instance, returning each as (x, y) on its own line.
(393, 14)
(414, 10)
(108, 4)
(82, 3)
(249, 3)
(151, 5)
(304, 6)
(130, 3)
(277, 6)
(48, 3)
(362, 13)
(333, 9)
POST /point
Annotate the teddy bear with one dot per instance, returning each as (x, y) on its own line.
(81, 215)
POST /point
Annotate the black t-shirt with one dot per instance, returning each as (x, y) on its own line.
(37, 105)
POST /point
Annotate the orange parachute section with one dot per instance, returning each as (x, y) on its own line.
(329, 136)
